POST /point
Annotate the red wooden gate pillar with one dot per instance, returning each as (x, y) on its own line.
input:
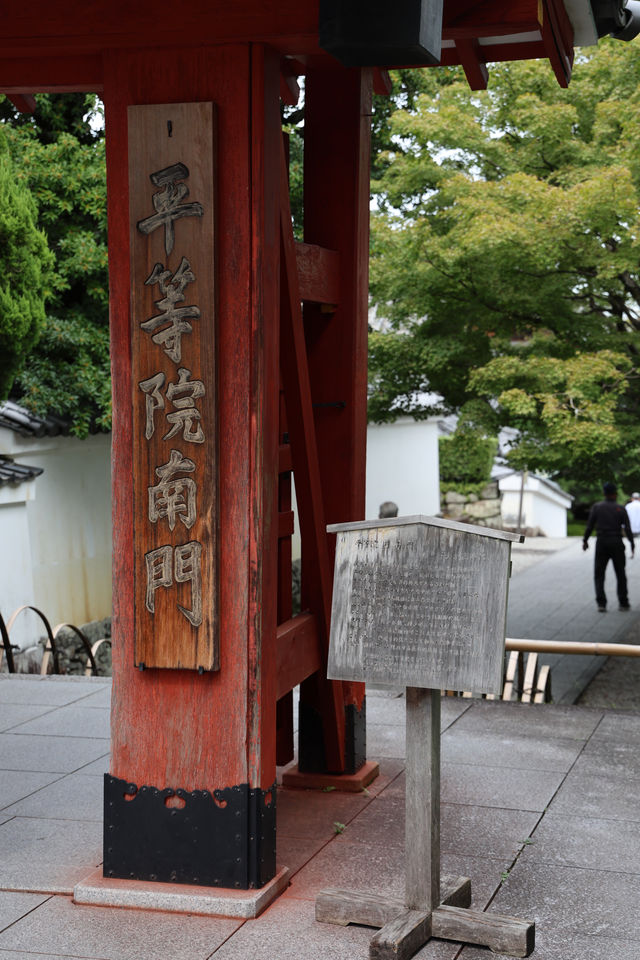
(189, 797)
(336, 216)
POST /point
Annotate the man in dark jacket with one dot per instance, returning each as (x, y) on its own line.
(611, 521)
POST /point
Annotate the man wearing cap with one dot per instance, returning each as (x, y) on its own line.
(611, 521)
(633, 512)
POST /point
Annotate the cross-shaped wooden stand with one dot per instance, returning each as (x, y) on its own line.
(431, 908)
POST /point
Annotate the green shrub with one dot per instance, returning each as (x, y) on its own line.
(466, 458)
(464, 489)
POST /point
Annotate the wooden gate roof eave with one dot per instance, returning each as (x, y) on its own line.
(52, 51)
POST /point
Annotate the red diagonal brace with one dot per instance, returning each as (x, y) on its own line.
(23, 102)
(295, 377)
(475, 70)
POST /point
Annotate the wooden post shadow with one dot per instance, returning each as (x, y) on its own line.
(422, 602)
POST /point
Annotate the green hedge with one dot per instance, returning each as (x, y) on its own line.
(466, 458)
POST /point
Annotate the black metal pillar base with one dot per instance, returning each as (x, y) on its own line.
(311, 752)
(222, 839)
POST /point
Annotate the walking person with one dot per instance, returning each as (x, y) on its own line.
(611, 522)
(633, 512)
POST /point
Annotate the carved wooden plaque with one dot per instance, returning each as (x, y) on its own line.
(420, 602)
(173, 355)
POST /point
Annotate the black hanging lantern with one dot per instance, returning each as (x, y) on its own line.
(376, 33)
(620, 18)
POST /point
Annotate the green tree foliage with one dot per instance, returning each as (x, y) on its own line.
(466, 458)
(66, 113)
(60, 159)
(408, 85)
(293, 126)
(562, 408)
(505, 256)
(25, 271)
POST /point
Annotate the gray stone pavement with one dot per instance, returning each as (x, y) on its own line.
(616, 686)
(551, 597)
(540, 807)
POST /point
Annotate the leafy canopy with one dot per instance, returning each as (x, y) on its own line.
(60, 159)
(25, 271)
(505, 257)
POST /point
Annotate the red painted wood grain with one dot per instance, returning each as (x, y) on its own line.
(174, 728)
(317, 568)
(336, 204)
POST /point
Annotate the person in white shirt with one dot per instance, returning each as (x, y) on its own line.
(633, 511)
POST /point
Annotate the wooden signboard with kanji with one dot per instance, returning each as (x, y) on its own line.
(420, 600)
(172, 215)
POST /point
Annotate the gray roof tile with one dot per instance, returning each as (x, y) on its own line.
(22, 421)
(15, 473)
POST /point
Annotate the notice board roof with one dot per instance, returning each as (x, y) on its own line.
(429, 522)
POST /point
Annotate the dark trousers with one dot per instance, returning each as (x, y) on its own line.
(610, 548)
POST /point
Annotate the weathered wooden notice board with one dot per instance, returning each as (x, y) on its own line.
(422, 602)
(173, 354)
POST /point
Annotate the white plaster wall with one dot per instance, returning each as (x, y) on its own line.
(69, 526)
(537, 511)
(70, 531)
(510, 506)
(403, 466)
(16, 580)
(551, 518)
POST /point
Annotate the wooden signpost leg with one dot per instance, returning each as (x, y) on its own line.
(430, 907)
(406, 933)
(422, 801)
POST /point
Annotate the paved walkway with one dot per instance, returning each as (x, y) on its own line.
(540, 807)
(551, 597)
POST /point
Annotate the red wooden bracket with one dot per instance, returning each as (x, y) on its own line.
(23, 102)
(382, 82)
(557, 36)
(546, 20)
(318, 273)
(475, 70)
(297, 651)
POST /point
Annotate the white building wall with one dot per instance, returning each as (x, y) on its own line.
(67, 535)
(551, 518)
(16, 580)
(403, 466)
(542, 506)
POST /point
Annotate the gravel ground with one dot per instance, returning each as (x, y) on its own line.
(617, 685)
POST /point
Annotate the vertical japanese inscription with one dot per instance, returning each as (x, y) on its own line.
(172, 216)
